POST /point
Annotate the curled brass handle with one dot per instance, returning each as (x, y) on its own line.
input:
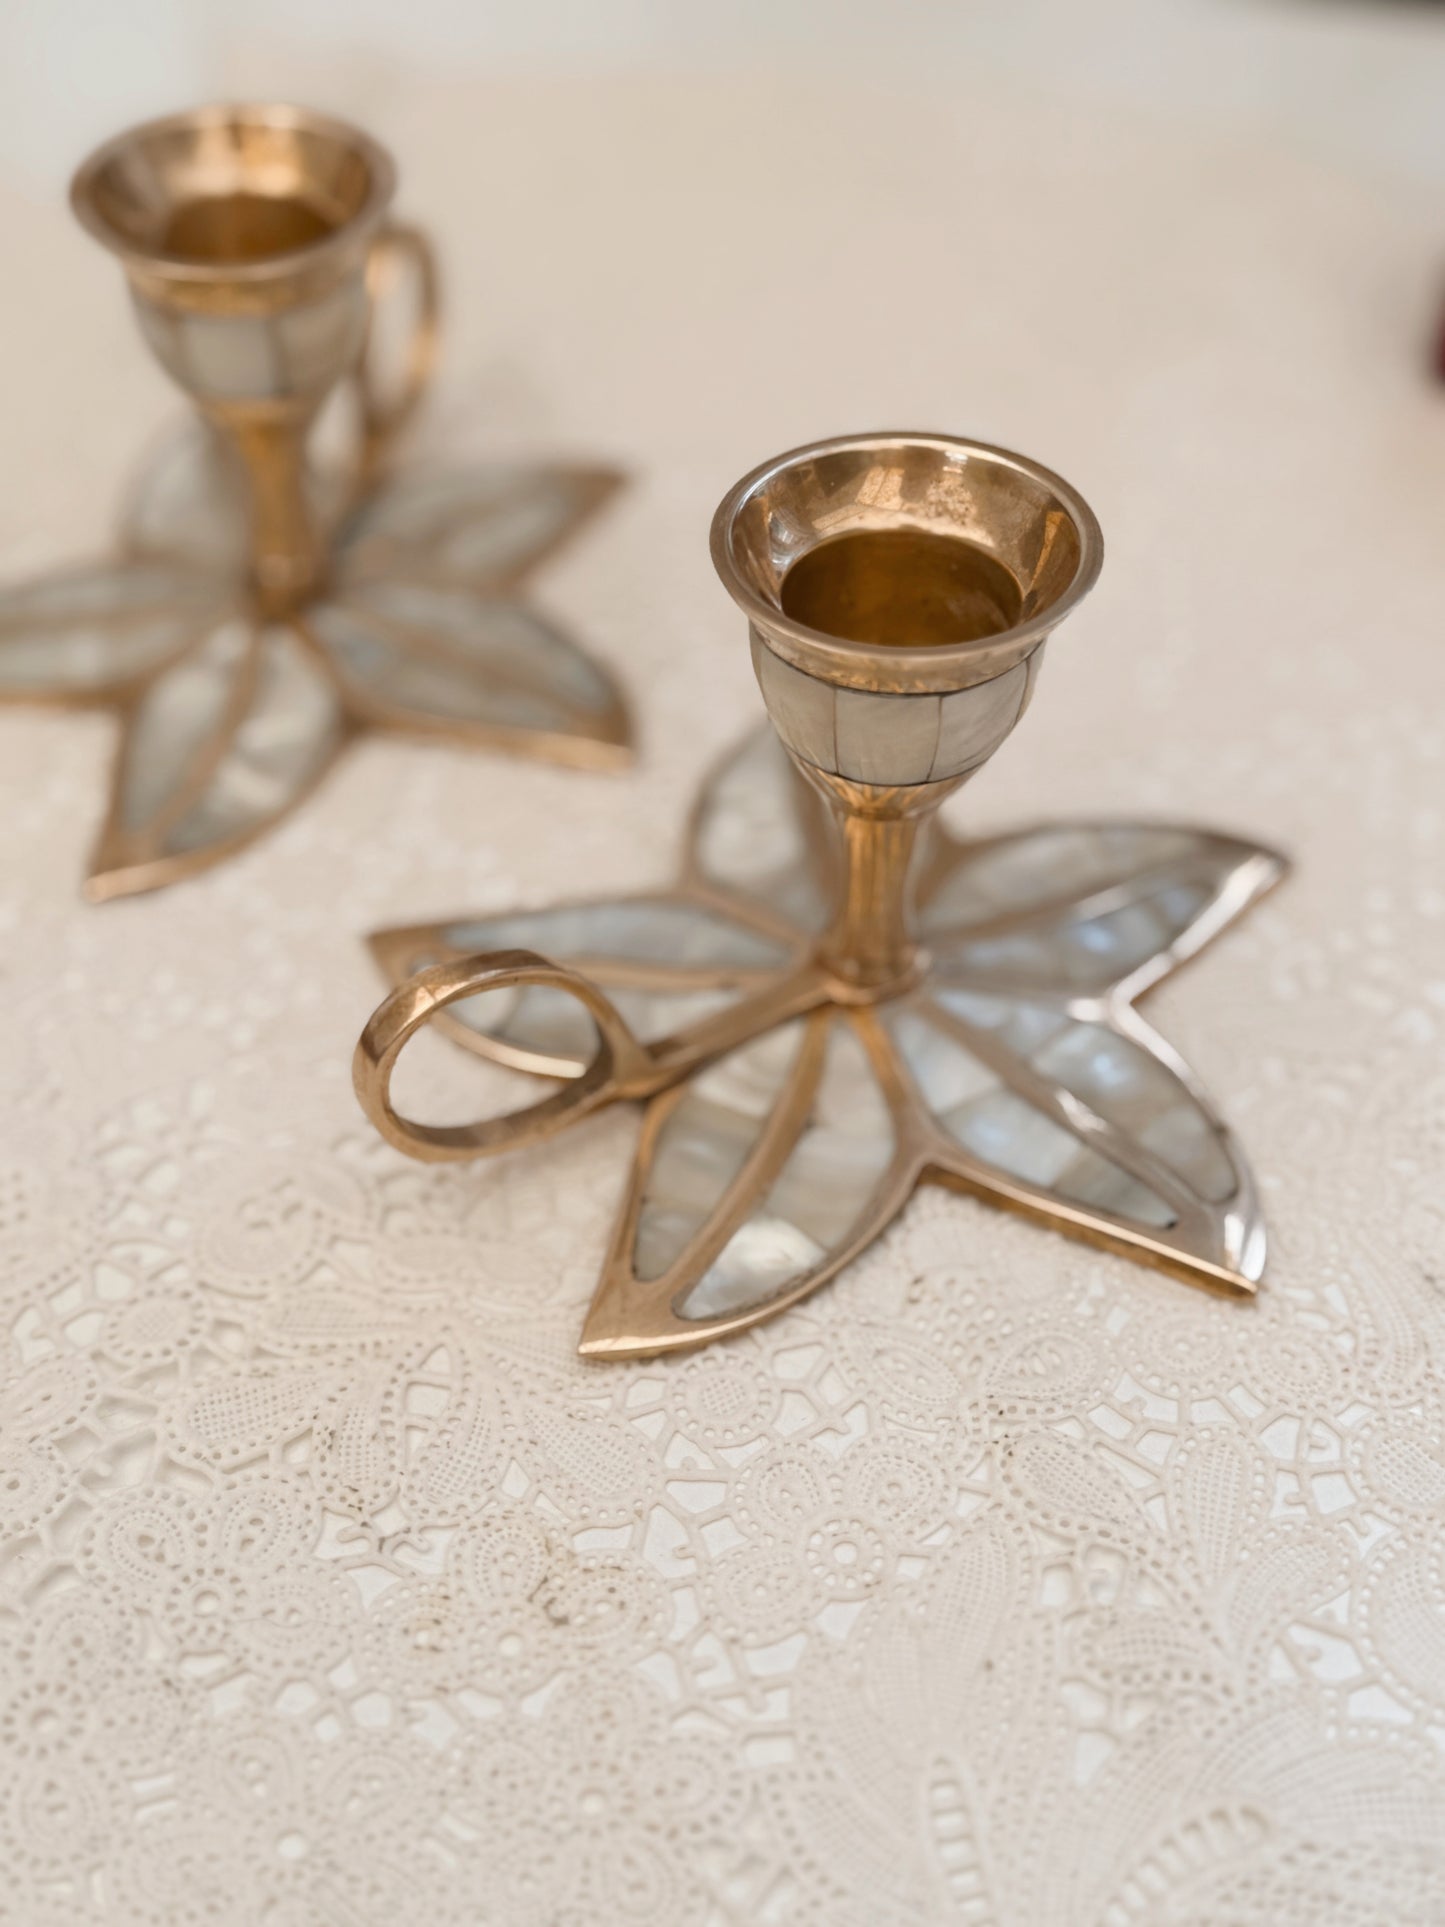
(396, 1021)
(399, 249)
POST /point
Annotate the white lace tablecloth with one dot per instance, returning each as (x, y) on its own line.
(1003, 1582)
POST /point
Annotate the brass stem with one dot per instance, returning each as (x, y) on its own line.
(870, 942)
(288, 553)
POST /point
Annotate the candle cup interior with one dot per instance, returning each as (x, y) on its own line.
(901, 588)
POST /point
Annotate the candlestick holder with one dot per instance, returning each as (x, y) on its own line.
(841, 999)
(267, 607)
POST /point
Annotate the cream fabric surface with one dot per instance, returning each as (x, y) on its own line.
(1002, 1582)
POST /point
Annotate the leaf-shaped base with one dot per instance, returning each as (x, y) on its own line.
(753, 1183)
(1092, 1124)
(433, 658)
(481, 527)
(1019, 1070)
(228, 721)
(92, 632)
(214, 752)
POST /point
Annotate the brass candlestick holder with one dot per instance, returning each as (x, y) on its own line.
(264, 608)
(840, 999)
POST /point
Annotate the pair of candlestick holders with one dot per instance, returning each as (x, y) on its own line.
(839, 998)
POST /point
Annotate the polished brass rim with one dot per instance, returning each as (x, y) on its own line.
(222, 118)
(855, 664)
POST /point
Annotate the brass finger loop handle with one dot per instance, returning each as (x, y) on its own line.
(398, 1019)
(400, 249)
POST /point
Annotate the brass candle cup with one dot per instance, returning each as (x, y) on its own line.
(268, 605)
(840, 999)
(885, 729)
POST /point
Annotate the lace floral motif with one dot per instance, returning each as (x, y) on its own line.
(311, 1609)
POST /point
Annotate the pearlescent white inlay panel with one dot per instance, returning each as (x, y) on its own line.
(821, 1192)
